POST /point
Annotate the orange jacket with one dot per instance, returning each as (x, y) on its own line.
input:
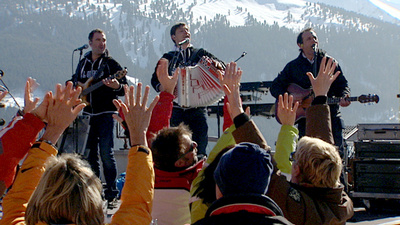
(137, 195)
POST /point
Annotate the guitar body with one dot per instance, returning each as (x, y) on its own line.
(305, 98)
(88, 88)
(84, 86)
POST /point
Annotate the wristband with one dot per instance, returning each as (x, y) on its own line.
(47, 142)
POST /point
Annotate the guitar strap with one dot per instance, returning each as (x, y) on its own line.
(101, 68)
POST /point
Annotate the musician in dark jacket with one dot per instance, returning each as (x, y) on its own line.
(185, 55)
(96, 67)
(295, 73)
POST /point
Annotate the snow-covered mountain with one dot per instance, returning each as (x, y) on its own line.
(138, 33)
(387, 10)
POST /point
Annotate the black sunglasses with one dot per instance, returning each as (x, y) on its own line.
(191, 149)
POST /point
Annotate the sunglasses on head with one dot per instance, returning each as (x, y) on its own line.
(191, 149)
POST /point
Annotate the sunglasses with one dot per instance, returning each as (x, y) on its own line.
(191, 149)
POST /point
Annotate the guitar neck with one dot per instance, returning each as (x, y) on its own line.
(92, 88)
(337, 100)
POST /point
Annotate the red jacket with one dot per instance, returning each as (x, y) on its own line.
(15, 141)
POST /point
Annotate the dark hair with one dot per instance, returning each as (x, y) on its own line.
(174, 28)
(97, 30)
(168, 145)
(206, 187)
(300, 36)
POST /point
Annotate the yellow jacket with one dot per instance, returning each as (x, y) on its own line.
(137, 195)
(197, 208)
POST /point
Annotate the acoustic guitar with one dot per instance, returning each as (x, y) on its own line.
(305, 97)
(88, 88)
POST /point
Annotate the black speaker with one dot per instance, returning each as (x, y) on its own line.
(75, 136)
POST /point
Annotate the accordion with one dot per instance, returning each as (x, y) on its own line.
(199, 86)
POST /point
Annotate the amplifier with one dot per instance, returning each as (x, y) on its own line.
(377, 176)
(377, 149)
(377, 131)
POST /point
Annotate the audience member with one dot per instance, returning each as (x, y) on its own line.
(203, 186)
(288, 134)
(242, 179)
(69, 191)
(174, 153)
(19, 135)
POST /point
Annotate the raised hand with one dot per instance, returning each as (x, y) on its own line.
(29, 103)
(287, 110)
(167, 82)
(230, 82)
(62, 109)
(137, 114)
(325, 78)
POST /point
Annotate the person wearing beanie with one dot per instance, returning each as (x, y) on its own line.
(243, 175)
(242, 178)
(174, 150)
(246, 168)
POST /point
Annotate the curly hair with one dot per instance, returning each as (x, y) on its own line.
(319, 162)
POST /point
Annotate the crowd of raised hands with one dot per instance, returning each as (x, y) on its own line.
(58, 109)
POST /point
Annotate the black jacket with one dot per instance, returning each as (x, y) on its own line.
(295, 72)
(243, 210)
(188, 57)
(100, 99)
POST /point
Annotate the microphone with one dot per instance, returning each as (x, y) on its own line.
(184, 41)
(85, 46)
(314, 47)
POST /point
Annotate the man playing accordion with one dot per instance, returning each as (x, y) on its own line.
(182, 56)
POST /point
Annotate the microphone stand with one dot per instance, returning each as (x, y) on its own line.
(315, 69)
(74, 132)
(172, 66)
(80, 57)
(5, 88)
(243, 54)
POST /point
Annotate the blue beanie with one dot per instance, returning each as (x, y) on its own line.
(246, 168)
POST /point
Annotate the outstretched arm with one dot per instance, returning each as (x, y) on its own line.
(230, 82)
(288, 135)
(63, 107)
(19, 135)
(318, 120)
(138, 192)
(163, 110)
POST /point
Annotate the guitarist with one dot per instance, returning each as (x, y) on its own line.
(309, 60)
(97, 65)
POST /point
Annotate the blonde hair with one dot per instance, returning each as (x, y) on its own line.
(319, 162)
(68, 192)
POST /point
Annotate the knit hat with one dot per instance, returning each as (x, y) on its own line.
(246, 168)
